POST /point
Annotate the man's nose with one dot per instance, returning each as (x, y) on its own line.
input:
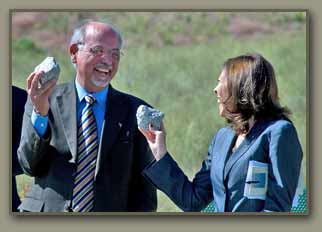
(107, 58)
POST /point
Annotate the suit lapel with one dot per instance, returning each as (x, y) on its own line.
(116, 111)
(66, 103)
(244, 146)
(224, 149)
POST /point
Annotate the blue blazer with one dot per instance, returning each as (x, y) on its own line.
(261, 175)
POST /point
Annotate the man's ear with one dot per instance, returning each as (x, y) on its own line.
(73, 51)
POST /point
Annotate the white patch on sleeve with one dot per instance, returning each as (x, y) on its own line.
(256, 180)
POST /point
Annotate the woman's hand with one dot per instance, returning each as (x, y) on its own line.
(156, 140)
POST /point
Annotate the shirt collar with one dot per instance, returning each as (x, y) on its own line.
(100, 96)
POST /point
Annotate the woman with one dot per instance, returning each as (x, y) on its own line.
(253, 164)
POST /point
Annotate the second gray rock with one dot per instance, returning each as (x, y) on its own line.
(146, 115)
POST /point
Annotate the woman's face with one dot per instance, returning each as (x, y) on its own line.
(221, 91)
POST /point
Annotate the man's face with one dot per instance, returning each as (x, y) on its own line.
(97, 59)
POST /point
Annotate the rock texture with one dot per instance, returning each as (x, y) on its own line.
(146, 115)
(50, 68)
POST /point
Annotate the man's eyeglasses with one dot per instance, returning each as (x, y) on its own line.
(114, 53)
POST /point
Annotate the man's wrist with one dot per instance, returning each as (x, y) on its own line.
(39, 122)
(40, 113)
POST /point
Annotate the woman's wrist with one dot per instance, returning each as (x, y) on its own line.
(160, 155)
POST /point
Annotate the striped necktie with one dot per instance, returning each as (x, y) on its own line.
(83, 192)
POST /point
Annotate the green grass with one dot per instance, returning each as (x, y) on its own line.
(179, 81)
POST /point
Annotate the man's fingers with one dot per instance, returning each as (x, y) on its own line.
(29, 80)
(49, 87)
(34, 84)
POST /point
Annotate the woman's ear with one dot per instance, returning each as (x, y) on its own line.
(73, 51)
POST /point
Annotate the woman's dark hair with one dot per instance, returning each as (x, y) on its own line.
(252, 92)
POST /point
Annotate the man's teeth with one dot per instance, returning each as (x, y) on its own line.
(103, 70)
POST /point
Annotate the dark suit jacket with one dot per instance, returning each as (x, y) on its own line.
(122, 155)
(19, 98)
(261, 175)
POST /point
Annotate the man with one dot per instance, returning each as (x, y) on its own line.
(19, 98)
(80, 140)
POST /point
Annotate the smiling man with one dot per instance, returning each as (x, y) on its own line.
(80, 139)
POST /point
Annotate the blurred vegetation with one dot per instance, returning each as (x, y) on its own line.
(172, 60)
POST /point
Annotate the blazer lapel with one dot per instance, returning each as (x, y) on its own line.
(224, 151)
(116, 111)
(66, 103)
(243, 147)
(220, 152)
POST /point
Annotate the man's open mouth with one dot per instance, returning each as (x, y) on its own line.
(104, 71)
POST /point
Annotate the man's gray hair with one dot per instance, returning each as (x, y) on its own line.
(78, 36)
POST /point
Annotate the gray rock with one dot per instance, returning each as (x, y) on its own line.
(50, 68)
(146, 115)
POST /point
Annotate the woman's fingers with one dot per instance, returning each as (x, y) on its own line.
(156, 140)
(153, 135)
(150, 136)
(163, 128)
